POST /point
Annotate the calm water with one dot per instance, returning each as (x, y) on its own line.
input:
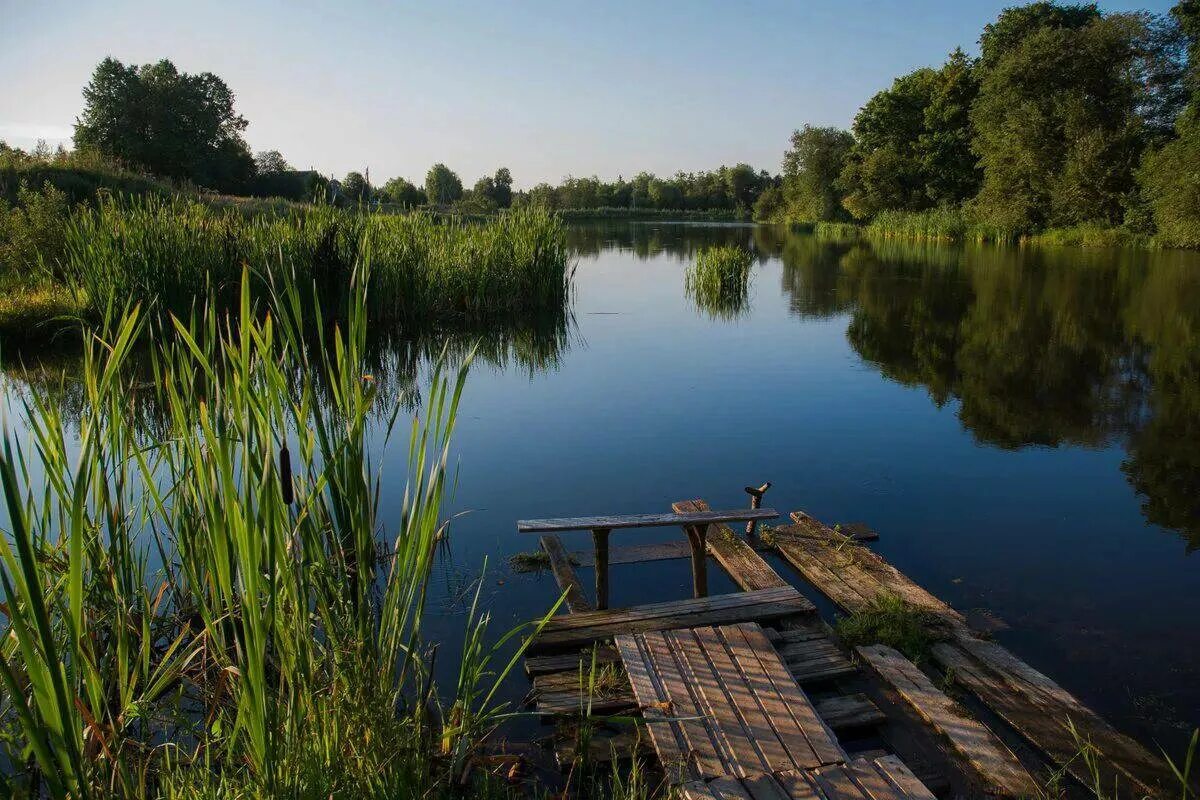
(1022, 428)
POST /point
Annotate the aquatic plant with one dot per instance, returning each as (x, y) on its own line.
(201, 610)
(718, 281)
(173, 255)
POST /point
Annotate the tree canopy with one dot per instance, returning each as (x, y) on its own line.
(811, 169)
(442, 185)
(167, 122)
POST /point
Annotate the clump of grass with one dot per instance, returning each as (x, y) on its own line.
(173, 255)
(1090, 235)
(891, 621)
(719, 280)
(841, 231)
(533, 561)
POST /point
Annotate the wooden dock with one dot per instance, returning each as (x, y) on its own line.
(751, 696)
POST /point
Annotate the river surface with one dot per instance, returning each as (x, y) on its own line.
(1021, 426)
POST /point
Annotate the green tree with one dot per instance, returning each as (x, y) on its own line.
(355, 188)
(1056, 122)
(442, 185)
(502, 183)
(811, 169)
(167, 122)
(912, 143)
(1169, 178)
(403, 192)
(270, 162)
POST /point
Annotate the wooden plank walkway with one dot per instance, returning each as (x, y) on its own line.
(589, 626)
(720, 702)
(854, 577)
(994, 764)
(884, 778)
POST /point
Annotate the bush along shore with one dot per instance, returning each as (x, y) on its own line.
(173, 254)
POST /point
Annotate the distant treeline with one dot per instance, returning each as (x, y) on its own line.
(731, 189)
(1068, 118)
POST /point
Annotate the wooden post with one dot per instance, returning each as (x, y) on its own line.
(756, 495)
(696, 536)
(600, 539)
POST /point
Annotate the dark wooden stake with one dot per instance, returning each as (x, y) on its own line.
(696, 536)
(756, 495)
(600, 538)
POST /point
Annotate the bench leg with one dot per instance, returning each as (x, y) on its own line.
(600, 539)
(696, 537)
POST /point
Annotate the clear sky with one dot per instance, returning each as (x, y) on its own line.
(546, 88)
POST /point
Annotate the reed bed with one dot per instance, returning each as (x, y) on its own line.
(202, 610)
(719, 280)
(171, 255)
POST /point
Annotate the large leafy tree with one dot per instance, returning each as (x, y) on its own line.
(167, 122)
(1057, 128)
(1170, 176)
(442, 185)
(811, 168)
(502, 188)
(912, 147)
(403, 192)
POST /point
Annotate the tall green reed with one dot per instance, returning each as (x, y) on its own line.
(718, 281)
(202, 610)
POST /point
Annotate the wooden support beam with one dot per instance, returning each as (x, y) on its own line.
(696, 537)
(600, 539)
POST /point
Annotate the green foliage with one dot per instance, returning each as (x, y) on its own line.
(1056, 124)
(269, 161)
(891, 621)
(912, 148)
(32, 236)
(355, 189)
(770, 206)
(442, 185)
(274, 652)
(730, 189)
(718, 282)
(167, 122)
(172, 255)
(403, 193)
(811, 169)
(79, 175)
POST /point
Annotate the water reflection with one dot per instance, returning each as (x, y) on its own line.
(1037, 347)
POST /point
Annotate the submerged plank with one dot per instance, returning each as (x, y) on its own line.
(564, 574)
(992, 762)
(636, 553)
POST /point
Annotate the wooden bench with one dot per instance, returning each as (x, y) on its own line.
(694, 524)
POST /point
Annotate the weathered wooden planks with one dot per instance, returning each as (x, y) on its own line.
(586, 627)
(746, 567)
(884, 778)
(564, 574)
(574, 692)
(1033, 704)
(848, 711)
(561, 662)
(558, 524)
(732, 707)
(997, 768)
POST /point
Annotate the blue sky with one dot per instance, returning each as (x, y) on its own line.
(546, 88)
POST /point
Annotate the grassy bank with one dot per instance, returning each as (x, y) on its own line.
(955, 225)
(201, 609)
(172, 254)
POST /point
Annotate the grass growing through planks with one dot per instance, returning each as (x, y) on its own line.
(718, 281)
(891, 621)
(197, 610)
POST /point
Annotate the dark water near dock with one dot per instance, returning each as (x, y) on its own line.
(1022, 426)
